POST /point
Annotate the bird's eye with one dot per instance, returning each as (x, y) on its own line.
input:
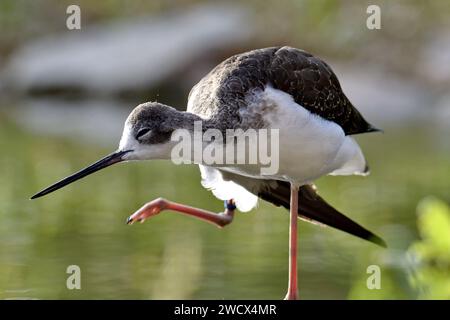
(142, 132)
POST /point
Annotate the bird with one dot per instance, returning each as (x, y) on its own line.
(278, 88)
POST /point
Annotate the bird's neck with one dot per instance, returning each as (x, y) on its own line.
(189, 136)
(188, 121)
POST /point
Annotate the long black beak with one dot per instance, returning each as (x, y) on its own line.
(111, 159)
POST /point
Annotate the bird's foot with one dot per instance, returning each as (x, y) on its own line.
(148, 210)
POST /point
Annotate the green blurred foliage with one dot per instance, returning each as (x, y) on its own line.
(423, 270)
(430, 275)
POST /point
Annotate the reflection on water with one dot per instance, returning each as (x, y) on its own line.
(173, 256)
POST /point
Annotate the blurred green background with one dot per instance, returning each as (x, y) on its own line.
(56, 118)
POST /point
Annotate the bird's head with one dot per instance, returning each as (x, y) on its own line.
(147, 131)
(146, 135)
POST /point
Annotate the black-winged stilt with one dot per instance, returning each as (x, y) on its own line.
(279, 88)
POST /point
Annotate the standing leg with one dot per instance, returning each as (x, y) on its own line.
(292, 293)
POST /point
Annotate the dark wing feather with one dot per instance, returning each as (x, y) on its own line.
(313, 85)
(312, 207)
(308, 79)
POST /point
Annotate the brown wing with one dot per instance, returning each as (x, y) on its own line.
(309, 80)
(313, 85)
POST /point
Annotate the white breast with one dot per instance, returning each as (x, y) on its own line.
(309, 146)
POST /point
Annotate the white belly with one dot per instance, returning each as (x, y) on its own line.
(309, 146)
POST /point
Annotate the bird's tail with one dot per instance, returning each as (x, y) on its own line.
(313, 208)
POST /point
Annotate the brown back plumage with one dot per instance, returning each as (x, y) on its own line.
(308, 79)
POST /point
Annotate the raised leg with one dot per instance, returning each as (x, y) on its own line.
(154, 207)
(292, 293)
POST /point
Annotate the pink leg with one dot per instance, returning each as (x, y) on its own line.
(154, 207)
(292, 293)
